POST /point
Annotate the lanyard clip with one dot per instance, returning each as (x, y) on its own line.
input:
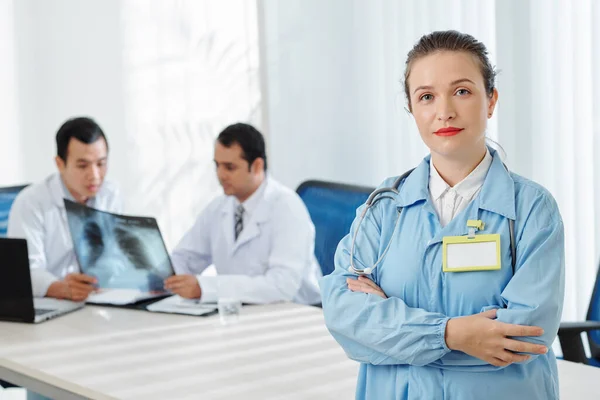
(474, 225)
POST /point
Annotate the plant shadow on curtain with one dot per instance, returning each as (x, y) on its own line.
(191, 69)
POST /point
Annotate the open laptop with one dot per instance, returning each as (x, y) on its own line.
(16, 295)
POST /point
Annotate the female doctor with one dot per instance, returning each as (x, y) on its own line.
(428, 292)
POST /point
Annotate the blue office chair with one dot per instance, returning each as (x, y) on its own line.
(569, 333)
(7, 196)
(332, 208)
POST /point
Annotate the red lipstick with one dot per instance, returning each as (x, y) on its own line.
(450, 131)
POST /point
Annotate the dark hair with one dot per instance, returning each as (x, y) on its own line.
(451, 41)
(249, 138)
(84, 129)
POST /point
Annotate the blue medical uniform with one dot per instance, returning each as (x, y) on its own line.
(399, 341)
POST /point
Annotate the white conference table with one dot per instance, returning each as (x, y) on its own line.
(276, 351)
(280, 351)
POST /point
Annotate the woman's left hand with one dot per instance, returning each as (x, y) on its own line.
(365, 285)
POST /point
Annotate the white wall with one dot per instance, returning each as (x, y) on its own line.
(69, 63)
(322, 120)
(335, 98)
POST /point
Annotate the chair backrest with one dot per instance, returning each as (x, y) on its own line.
(594, 315)
(7, 196)
(332, 208)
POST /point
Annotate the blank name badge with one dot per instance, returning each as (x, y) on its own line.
(471, 253)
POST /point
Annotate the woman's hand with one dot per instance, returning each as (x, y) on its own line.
(480, 336)
(365, 285)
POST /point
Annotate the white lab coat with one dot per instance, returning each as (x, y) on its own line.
(272, 260)
(38, 215)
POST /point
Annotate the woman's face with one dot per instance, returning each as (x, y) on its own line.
(450, 104)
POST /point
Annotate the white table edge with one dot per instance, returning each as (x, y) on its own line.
(45, 384)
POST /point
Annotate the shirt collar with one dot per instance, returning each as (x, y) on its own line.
(437, 186)
(497, 193)
(251, 202)
(465, 188)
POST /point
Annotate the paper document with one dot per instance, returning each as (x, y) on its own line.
(120, 297)
(179, 305)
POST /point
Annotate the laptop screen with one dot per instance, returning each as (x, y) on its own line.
(16, 296)
(123, 252)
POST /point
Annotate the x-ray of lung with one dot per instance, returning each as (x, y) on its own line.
(121, 251)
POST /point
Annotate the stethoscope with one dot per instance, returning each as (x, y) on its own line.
(371, 201)
(385, 194)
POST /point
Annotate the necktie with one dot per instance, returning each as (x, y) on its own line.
(239, 220)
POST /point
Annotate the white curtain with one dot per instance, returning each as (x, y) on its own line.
(191, 68)
(335, 103)
(564, 130)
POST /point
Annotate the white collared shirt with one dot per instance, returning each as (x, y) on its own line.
(38, 215)
(450, 201)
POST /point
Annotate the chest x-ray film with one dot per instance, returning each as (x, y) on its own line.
(122, 252)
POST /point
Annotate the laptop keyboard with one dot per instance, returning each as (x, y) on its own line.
(42, 311)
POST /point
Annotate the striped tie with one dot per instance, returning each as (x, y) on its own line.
(239, 220)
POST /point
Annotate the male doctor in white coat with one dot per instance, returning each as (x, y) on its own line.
(38, 213)
(258, 235)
